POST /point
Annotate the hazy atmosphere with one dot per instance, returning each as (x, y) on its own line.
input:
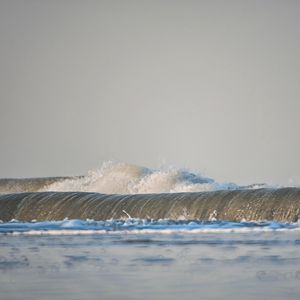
(208, 85)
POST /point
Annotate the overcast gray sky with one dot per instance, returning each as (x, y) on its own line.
(209, 85)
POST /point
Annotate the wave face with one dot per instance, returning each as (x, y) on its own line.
(122, 178)
(235, 205)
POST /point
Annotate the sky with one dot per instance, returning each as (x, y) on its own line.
(208, 85)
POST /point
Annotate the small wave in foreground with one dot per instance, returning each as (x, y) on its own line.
(140, 226)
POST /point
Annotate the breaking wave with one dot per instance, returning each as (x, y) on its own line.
(118, 189)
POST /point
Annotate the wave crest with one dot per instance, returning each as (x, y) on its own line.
(123, 178)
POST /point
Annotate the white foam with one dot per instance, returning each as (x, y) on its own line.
(141, 226)
(122, 178)
(148, 231)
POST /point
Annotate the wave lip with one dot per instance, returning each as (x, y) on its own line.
(122, 178)
(282, 205)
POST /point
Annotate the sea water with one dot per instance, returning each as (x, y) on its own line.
(149, 259)
(149, 240)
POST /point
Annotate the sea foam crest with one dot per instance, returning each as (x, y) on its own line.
(123, 178)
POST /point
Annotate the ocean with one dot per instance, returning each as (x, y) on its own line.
(127, 232)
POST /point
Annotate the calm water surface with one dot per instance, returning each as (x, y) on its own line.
(151, 265)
